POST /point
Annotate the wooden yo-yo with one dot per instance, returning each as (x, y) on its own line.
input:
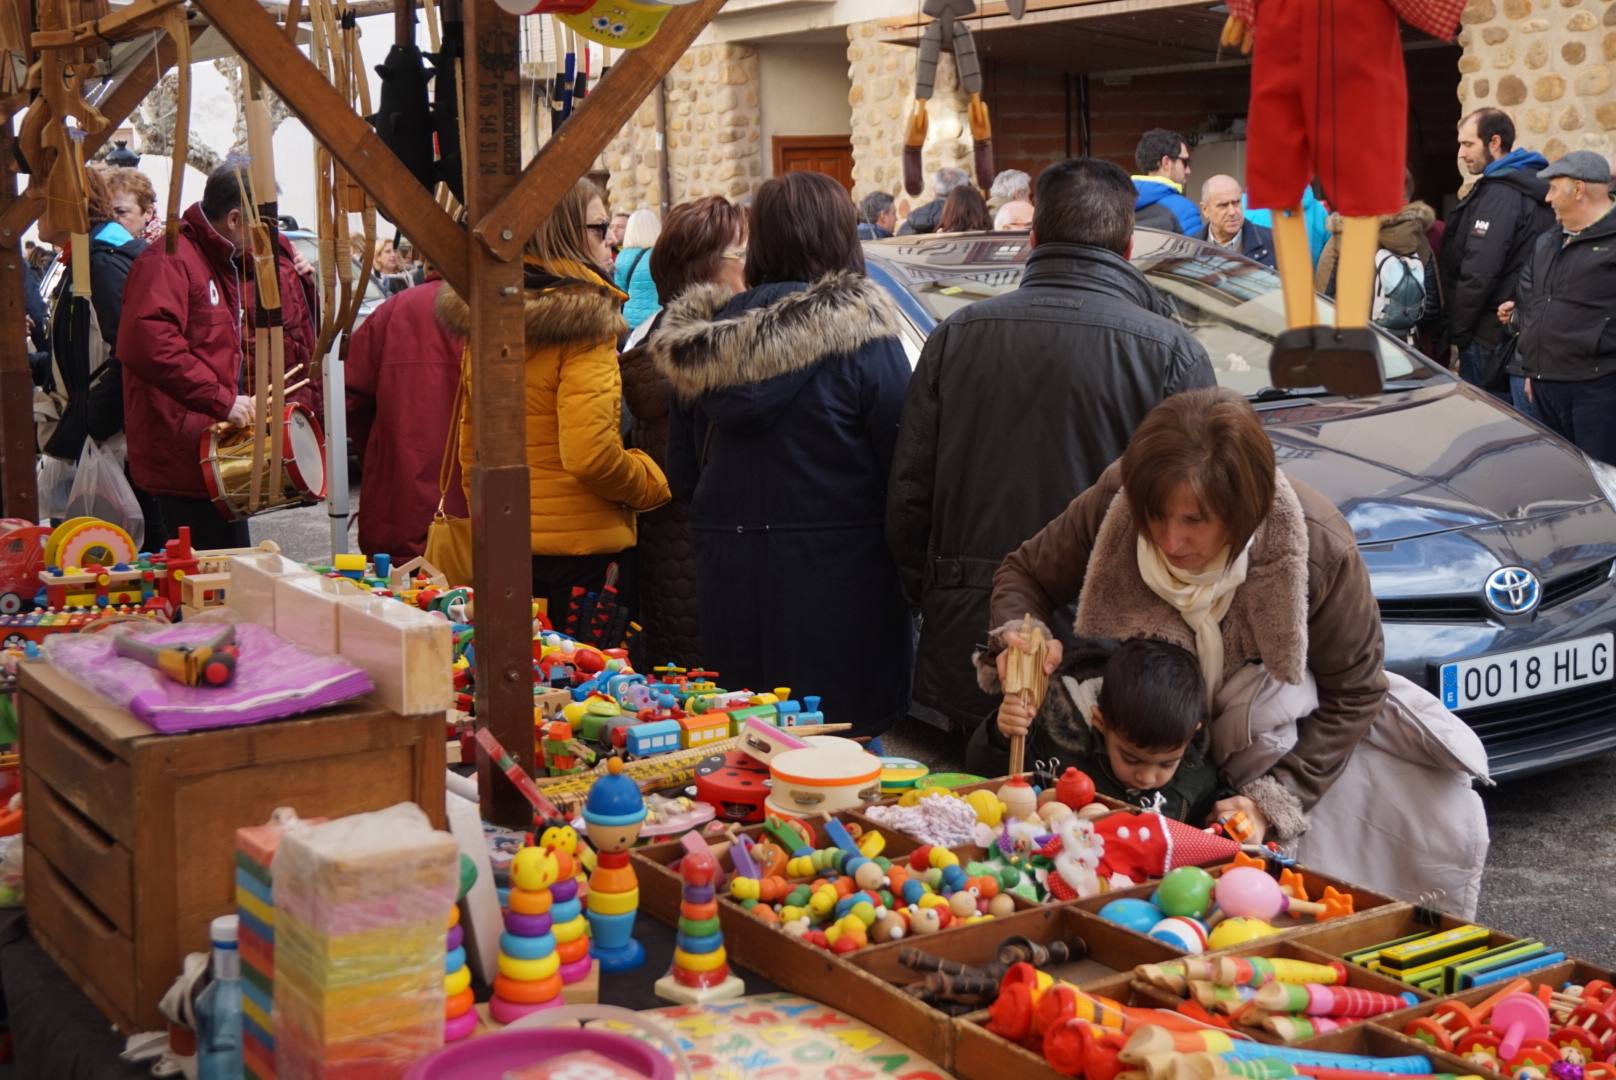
(1025, 678)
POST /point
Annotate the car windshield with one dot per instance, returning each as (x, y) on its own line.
(1233, 306)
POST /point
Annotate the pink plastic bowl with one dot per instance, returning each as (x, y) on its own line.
(492, 1055)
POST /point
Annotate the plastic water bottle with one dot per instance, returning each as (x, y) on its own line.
(218, 1010)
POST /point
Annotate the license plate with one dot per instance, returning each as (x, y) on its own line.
(1527, 673)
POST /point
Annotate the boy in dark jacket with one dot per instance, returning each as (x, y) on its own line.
(1133, 717)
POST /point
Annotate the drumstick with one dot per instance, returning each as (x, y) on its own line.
(295, 387)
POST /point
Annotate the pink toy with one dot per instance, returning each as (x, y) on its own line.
(1519, 1017)
(1245, 891)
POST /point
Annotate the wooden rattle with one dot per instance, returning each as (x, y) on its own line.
(1025, 678)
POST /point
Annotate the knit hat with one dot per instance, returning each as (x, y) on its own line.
(614, 799)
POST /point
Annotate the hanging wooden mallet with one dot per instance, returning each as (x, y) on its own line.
(1025, 678)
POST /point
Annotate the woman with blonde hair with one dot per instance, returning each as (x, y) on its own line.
(586, 489)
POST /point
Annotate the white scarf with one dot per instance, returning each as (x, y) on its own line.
(1201, 598)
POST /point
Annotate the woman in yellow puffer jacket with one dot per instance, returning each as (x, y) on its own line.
(586, 489)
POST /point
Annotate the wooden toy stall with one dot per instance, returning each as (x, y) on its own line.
(504, 203)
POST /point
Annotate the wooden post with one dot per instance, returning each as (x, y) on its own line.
(502, 550)
(16, 386)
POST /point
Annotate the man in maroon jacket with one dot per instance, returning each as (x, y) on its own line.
(402, 370)
(182, 344)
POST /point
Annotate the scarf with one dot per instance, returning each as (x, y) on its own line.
(1201, 598)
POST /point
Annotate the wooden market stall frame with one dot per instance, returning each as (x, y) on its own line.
(504, 204)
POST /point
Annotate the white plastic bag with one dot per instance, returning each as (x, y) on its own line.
(55, 481)
(101, 490)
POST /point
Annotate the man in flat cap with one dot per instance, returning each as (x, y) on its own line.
(1565, 308)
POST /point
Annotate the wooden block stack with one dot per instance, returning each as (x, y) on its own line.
(255, 905)
(360, 907)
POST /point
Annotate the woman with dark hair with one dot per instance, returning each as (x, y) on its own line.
(1195, 537)
(785, 417)
(586, 489)
(965, 211)
(702, 243)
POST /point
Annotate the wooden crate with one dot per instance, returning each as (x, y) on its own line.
(980, 1054)
(1372, 1040)
(1292, 949)
(1555, 976)
(130, 834)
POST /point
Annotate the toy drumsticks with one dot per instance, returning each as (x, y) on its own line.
(1025, 678)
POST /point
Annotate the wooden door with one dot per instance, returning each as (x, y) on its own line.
(828, 154)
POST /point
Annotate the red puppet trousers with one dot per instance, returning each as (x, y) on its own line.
(1328, 99)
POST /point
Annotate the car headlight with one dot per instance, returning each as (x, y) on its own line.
(1605, 476)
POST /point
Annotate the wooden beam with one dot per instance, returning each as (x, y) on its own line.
(116, 107)
(259, 40)
(500, 510)
(572, 150)
(16, 385)
(906, 30)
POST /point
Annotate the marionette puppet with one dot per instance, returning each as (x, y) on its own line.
(1329, 99)
(946, 30)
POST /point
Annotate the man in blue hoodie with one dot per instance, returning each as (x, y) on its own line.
(1163, 160)
(1488, 238)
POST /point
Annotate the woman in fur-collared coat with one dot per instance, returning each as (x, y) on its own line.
(1195, 537)
(785, 418)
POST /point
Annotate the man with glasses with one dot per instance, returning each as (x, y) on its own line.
(1163, 160)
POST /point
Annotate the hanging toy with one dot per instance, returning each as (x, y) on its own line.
(1326, 77)
(947, 28)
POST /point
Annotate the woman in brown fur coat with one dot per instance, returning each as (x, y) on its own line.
(1195, 537)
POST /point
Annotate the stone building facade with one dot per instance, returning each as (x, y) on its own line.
(881, 95)
(715, 139)
(1549, 64)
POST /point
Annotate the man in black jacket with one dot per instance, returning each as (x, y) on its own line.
(1018, 404)
(1567, 300)
(1487, 239)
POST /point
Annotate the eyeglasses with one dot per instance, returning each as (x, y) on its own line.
(735, 254)
(1184, 161)
(599, 228)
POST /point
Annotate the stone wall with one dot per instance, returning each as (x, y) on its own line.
(1548, 63)
(883, 78)
(715, 142)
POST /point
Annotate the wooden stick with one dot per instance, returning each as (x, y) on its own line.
(295, 387)
(1025, 678)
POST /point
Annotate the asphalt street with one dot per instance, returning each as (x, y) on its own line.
(1551, 873)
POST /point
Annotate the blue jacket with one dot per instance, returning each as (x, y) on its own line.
(633, 276)
(784, 424)
(1314, 212)
(1154, 191)
(1256, 242)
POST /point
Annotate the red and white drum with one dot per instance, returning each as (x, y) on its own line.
(227, 462)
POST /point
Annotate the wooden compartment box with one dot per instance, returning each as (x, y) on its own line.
(981, 1054)
(130, 834)
(1363, 900)
(1372, 1040)
(1111, 954)
(1294, 950)
(1554, 976)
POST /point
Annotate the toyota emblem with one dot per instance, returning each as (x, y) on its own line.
(1513, 590)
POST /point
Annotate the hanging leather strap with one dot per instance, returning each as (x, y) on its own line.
(451, 445)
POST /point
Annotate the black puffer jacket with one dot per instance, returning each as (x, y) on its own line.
(1018, 404)
(667, 553)
(923, 219)
(1486, 243)
(1566, 306)
(82, 346)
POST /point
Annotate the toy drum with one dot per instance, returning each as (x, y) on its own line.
(824, 780)
(227, 464)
